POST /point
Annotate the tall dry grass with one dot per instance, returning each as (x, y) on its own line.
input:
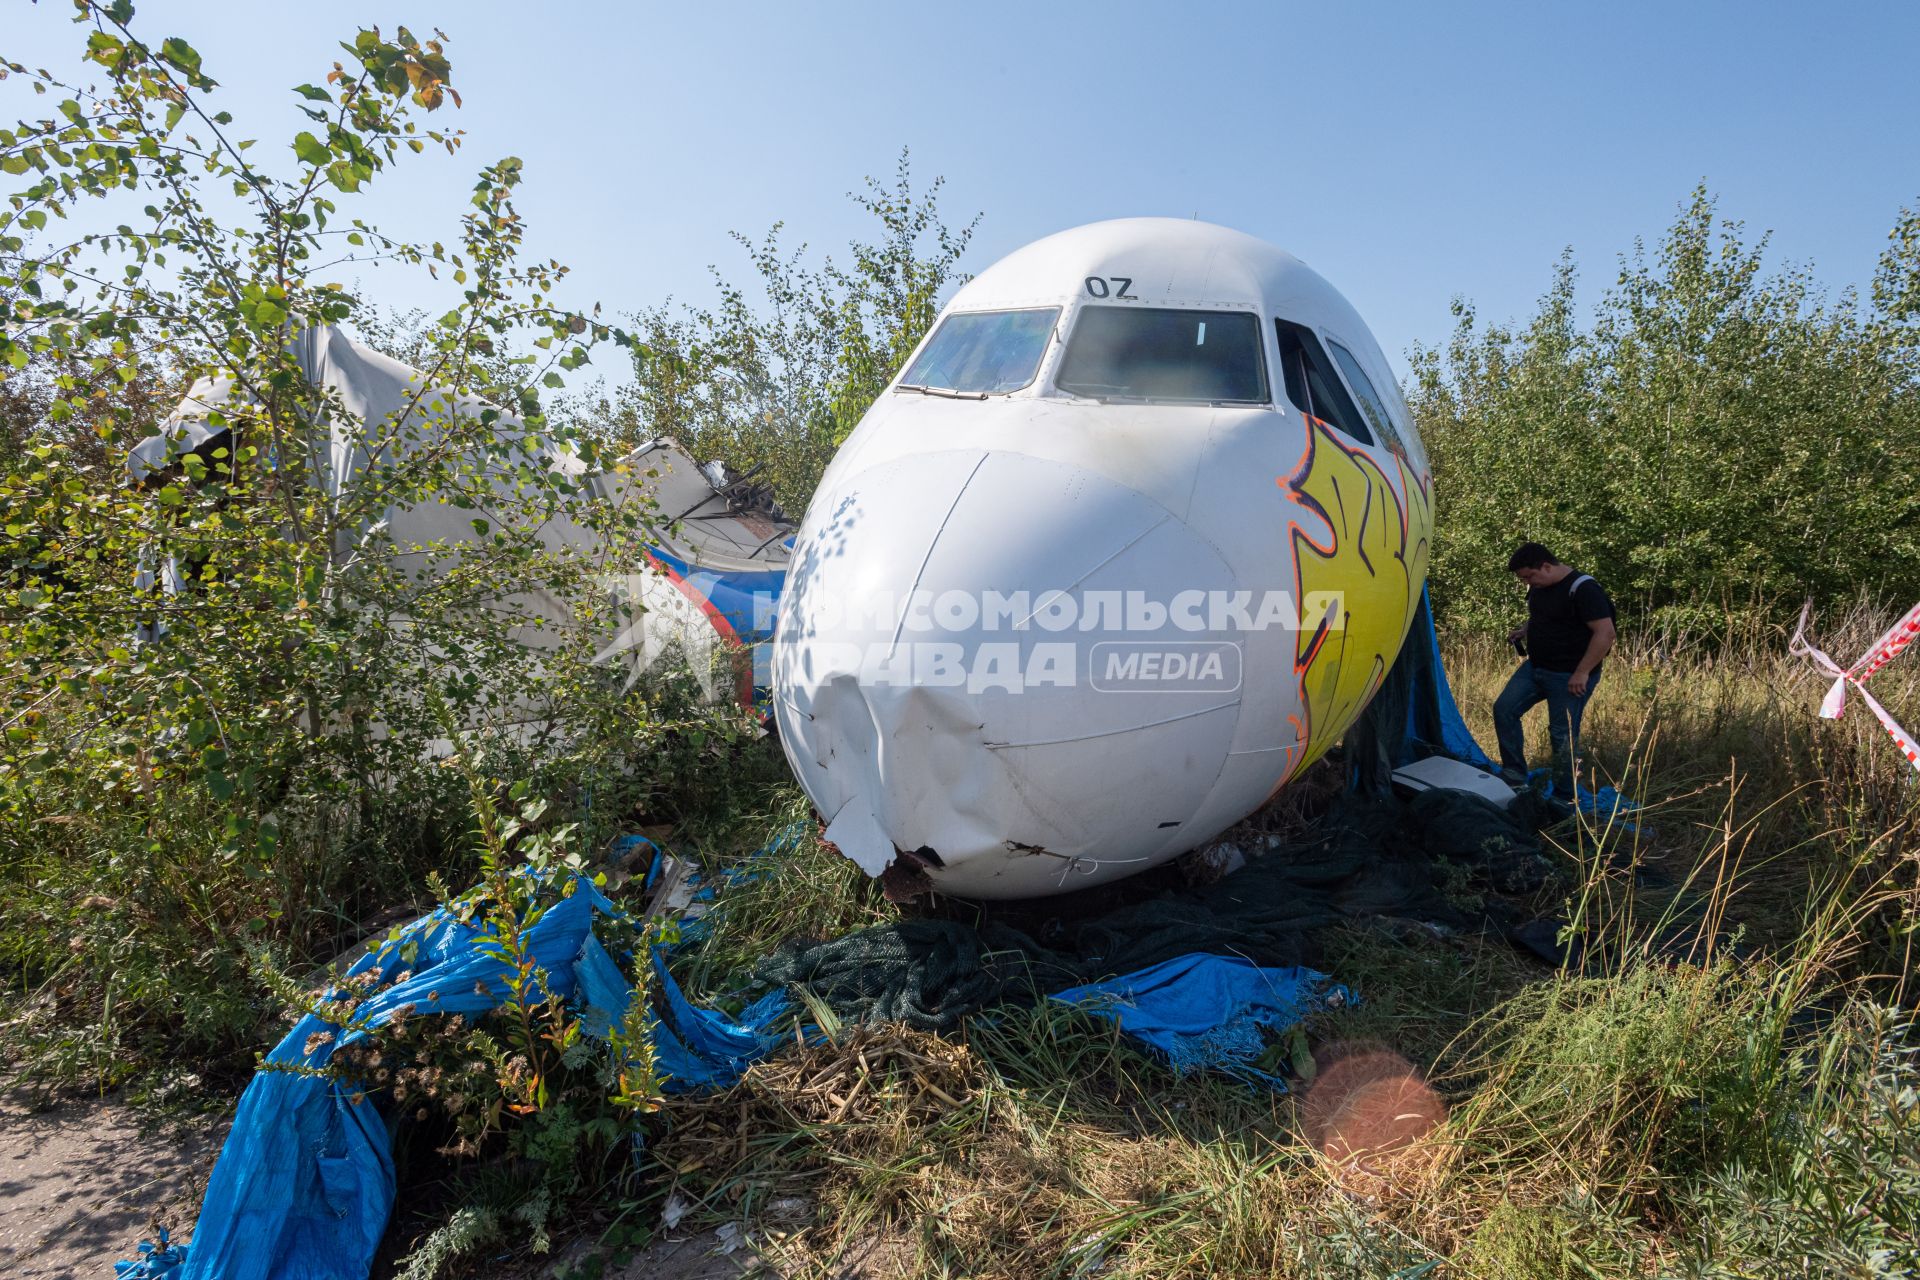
(1725, 749)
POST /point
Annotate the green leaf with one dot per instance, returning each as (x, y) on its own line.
(311, 150)
(1300, 1054)
(105, 49)
(184, 56)
(313, 93)
(553, 380)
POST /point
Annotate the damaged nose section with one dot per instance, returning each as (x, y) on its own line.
(901, 758)
(936, 679)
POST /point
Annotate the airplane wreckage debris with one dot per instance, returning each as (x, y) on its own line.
(706, 581)
(1130, 543)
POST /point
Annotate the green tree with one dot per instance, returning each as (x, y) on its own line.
(258, 769)
(1718, 440)
(778, 380)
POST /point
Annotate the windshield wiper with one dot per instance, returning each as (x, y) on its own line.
(947, 393)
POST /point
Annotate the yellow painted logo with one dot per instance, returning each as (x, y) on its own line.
(1360, 561)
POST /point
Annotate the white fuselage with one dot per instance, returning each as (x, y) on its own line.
(1041, 637)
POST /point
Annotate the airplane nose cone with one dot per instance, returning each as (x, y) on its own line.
(976, 648)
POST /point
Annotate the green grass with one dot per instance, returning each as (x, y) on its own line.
(804, 891)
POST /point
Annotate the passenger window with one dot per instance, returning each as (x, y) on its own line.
(1370, 402)
(1312, 385)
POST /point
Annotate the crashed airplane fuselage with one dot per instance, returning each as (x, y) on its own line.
(1130, 543)
(701, 581)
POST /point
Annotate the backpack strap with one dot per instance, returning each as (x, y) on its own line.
(1576, 584)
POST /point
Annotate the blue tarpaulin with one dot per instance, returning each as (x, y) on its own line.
(1206, 1011)
(1606, 804)
(1434, 723)
(304, 1185)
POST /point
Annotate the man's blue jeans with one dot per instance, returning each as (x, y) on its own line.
(1530, 686)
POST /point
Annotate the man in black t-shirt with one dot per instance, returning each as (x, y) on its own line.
(1569, 629)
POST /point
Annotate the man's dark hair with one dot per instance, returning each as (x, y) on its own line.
(1531, 555)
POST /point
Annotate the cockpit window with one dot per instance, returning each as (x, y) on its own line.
(983, 352)
(1370, 402)
(1312, 384)
(1147, 353)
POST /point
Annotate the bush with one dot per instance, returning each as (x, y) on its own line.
(248, 759)
(1837, 1191)
(1713, 442)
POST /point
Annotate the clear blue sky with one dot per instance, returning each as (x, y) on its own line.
(1410, 152)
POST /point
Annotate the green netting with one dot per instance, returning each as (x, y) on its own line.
(1371, 856)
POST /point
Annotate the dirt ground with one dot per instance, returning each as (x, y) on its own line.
(82, 1183)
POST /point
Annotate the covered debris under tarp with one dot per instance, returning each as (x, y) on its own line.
(305, 1183)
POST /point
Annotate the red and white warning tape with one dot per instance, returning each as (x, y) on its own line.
(1897, 637)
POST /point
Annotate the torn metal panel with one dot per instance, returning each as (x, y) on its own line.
(1446, 774)
(857, 833)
